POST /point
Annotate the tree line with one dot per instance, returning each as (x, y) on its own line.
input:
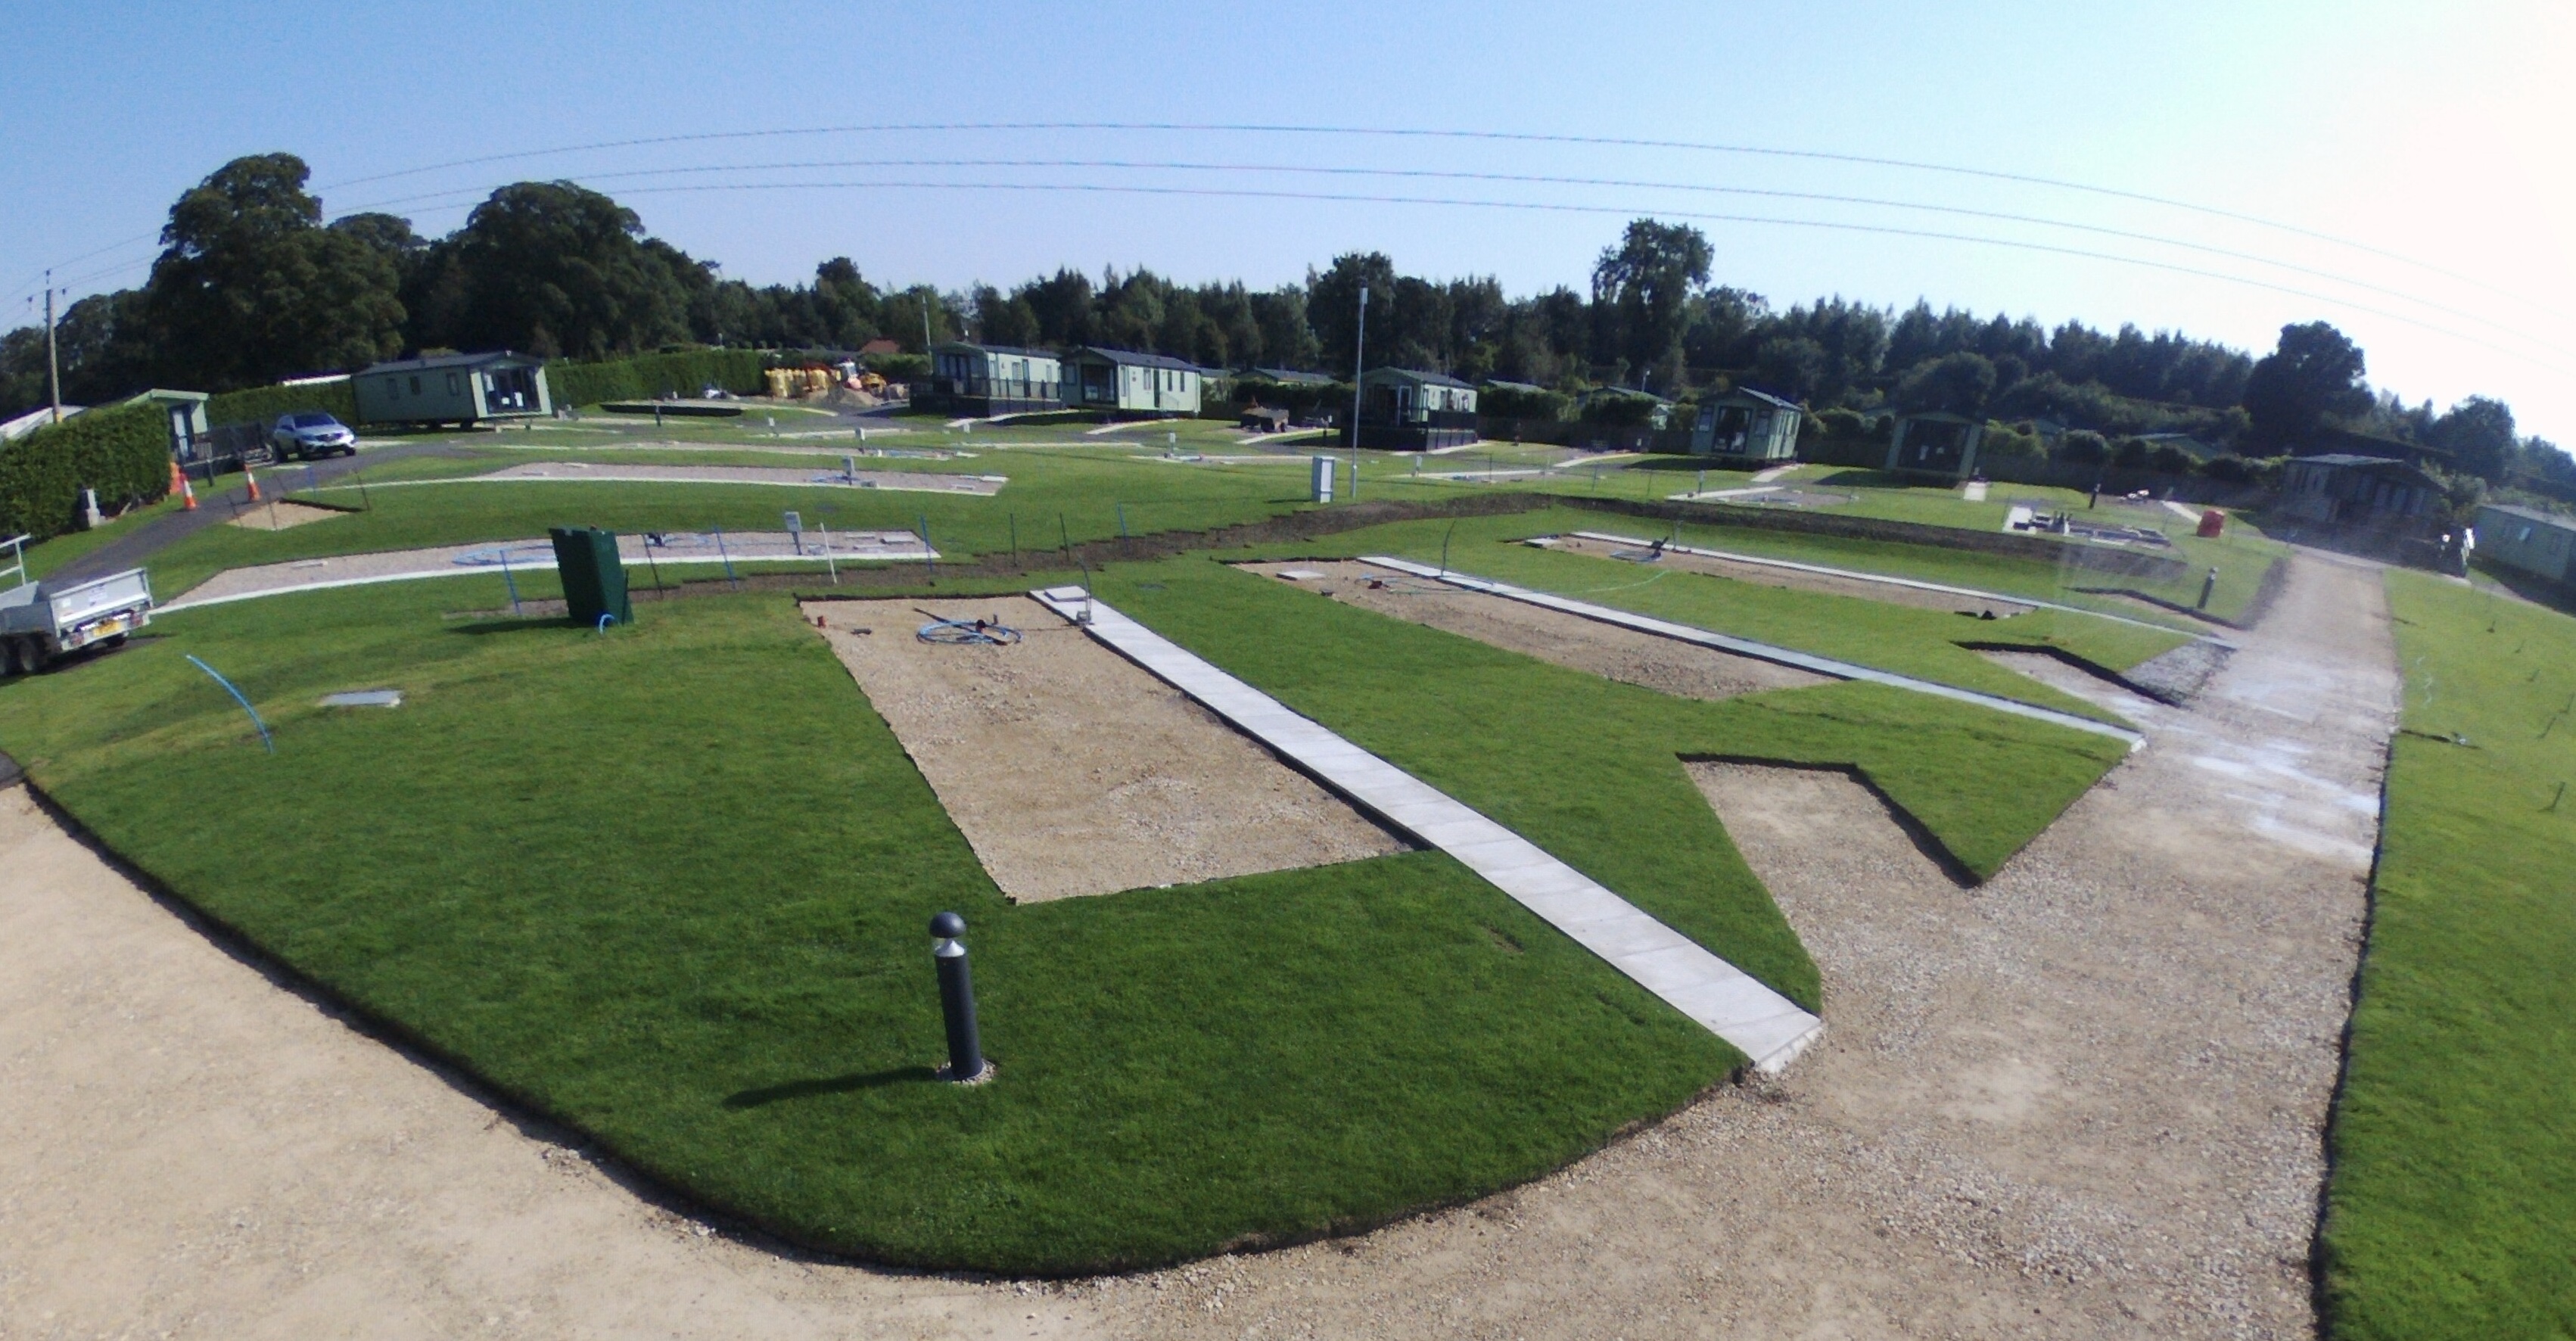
(253, 286)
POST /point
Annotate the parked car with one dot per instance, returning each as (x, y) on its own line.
(311, 433)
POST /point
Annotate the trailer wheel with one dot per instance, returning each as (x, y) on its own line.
(8, 657)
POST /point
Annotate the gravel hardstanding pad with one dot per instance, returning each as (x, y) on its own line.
(1766, 575)
(2082, 1100)
(1571, 641)
(1070, 770)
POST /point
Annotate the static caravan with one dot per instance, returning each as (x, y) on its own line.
(1936, 443)
(1408, 410)
(1748, 426)
(986, 380)
(2526, 540)
(1122, 382)
(460, 389)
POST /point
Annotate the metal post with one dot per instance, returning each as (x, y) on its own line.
(2207, 585)
(956, 998)
(829, 565)
(1359, 366)
(727, 556)
(53, 361)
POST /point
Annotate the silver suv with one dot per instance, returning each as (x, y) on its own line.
(311, 433)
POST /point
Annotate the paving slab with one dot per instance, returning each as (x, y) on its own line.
(1767, 1027)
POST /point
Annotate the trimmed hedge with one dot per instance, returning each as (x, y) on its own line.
(122, 451)
(647, 376)
(261, 404)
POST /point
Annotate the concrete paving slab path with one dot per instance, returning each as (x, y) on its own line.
(1764, 1025)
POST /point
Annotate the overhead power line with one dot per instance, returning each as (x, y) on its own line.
(1161, 165)
(1408, 132)
(1633, 211)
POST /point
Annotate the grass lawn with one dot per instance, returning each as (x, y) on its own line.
(46, 556)
(669, 885)
(1081, 494)
(2451, 1210)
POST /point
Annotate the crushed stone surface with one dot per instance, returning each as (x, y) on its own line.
(2082, 1100)
(1826, 583)
(274, 515)
(1607, 650)
(1070, 769)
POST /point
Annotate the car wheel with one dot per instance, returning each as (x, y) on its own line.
(8, 657)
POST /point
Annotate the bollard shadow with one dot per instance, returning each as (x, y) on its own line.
(807, 1089)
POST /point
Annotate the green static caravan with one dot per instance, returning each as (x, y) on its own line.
(1936, 443)
(986, 380)
(2526, 540)
(187, 414)
(1409, 410)
(460, 389)
(1746, 425)
(1125, 384)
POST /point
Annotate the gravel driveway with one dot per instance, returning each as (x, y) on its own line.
(2082, 1100)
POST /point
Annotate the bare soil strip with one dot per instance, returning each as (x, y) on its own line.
(1070, 770)
(280, 516)
(639, 553)
(1796, 580)
(1572, 641)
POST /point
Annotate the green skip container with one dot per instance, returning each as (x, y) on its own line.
(594, 580)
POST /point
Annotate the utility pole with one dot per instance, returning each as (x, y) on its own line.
(53, 360)
(1359, 365)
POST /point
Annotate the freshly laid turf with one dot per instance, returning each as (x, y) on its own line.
(670, 886)
(2451, 1208)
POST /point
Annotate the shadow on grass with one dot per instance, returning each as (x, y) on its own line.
(1866, 479)
(807, 1089)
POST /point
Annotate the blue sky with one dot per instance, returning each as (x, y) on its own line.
(2441, 134)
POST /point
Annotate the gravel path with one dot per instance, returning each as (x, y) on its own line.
(2082, 1100)
(1072, 770)
(1606, 650)
(623, 472)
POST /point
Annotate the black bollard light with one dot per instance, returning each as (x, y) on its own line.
(2207, 585)
(957, 998)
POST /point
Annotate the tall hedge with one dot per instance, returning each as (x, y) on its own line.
(123, 452)
(260, 404)
(647, 376)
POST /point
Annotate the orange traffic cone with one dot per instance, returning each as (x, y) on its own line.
(253, 481)
(178, 478)
(189, 492)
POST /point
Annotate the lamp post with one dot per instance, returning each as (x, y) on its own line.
(1359, 364)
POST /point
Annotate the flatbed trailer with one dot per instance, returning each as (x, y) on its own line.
(41, 622)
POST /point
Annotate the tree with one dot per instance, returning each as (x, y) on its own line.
(1001, 320)
(557, 269)
(2479, 435)
(1790, 368)
(1333, 303)
(1647, 282)
(1958, 383)
(251, 288)
(2314, 372)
